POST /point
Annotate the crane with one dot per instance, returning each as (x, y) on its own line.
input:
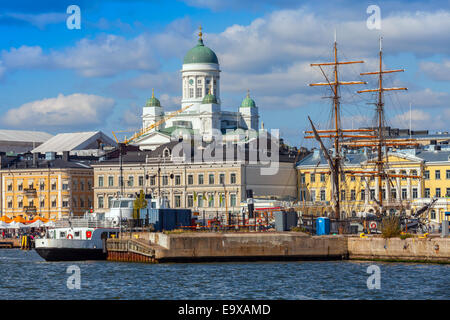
(150, 127)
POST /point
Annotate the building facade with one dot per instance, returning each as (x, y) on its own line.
(429, 172)
(210, 187)
(46, 188)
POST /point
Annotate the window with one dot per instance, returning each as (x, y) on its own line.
(190, 179)
(20, 187)
(383, 193)
(81, 185)
(415, 193)
(9, 204)
(42, 186)
(65, 186)
(89, 203)
(42, 203)
(10, 187)
(54, 203)
(191, 92)
(190, 201)
(152, 180)
(165, 180)
(363, 194)
(438, 192)
(447, 192)
(211, 201)
(352, 178)
(343, 195)
(322, 177)
(81, 203)
(403, 172)
(302, 178)
(313, 195)
(177, 201)
(65, 204)
(437, 174)
(233, 178)
(447, 174)
(426, 174)
(199, 92)
(200, 179)
(211, 179)
(100, 181)
(110, 181)
(433, 214)
(200, 200)
(141, 181)
(130, 181)
(177, 180)
(222, 200)
(353, 194)
(222, 178)
(372, 194)
(427, 193)
(110, 201)
(233, 200)
(313, 177)
(393, 194)
(322, 195)
(20, 204)
(404, 193)
(100, 202)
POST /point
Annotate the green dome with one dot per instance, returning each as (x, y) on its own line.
(248, 102)
(153, 102)
(200, 54)
(209, 98)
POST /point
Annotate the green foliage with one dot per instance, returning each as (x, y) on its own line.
(139, 204)
(406, 235)
(390, 227)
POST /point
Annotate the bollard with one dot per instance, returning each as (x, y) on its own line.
(444, 228)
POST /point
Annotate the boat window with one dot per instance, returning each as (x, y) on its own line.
(62, 234)
(126, 204)
(116, 204)
(77, 233)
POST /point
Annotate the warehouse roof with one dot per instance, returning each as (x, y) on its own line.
(75, 141)
(24, 136)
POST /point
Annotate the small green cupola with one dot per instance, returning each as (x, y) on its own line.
(209, 98)
(200, 53)
(153, 102)
(248, 102)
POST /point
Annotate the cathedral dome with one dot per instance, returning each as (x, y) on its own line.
(209, 98)
(248, 102)
(153, 102)
(200, 53)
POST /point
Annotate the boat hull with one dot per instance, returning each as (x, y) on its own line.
(71, 254)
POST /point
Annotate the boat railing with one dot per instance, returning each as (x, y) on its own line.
(84, 223)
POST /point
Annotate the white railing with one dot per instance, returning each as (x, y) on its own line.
(84, 223)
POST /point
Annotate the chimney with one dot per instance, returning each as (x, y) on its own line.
(35, 159)
(65, 155)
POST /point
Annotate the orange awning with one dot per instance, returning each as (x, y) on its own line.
(5, 219)
(19, 219)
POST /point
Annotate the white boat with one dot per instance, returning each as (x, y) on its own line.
(85, 238)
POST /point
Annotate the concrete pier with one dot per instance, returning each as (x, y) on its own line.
(247, 246)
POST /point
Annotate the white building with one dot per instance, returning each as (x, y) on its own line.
(200, 76)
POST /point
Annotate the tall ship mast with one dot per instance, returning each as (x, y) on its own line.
(380, 142)
(337, 134)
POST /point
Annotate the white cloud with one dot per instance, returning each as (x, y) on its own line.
(75, 110)
(437, 71)
(422, 120)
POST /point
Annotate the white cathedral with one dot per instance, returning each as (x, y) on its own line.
(204, 117)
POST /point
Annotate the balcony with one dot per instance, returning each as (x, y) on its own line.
(29, 209)
(30, 192)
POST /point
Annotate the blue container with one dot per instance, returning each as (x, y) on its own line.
(322, 226)
(167, 219)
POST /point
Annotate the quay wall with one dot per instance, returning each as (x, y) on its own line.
(396, 249)
(247, 246)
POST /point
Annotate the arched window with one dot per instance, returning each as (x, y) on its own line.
(166, 153)
(433, 214)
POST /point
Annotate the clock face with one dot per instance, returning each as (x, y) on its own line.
(191, 81)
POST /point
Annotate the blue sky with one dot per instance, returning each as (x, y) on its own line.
(97, 78)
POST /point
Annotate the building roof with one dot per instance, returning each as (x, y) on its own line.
(153, 102)
(248, 102)
(200, 54)
(74, 141)
(24, 136)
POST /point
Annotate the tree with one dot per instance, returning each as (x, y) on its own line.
(139, 203)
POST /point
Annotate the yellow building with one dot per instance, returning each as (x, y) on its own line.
(51, 188)
(359, 191)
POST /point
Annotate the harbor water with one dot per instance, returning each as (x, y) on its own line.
(25, 275)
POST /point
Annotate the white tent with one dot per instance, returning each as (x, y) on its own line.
(15, 225)
(49, 224)
(36, 224)
(3, 225)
